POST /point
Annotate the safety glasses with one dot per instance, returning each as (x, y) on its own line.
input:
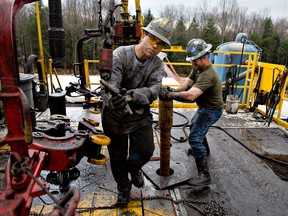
(152, 40)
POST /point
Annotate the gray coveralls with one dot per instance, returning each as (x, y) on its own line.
(132, 142)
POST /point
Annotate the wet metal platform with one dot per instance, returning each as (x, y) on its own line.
(244, 180)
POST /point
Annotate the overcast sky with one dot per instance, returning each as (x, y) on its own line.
(278, 8)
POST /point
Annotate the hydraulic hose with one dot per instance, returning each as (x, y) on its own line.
(186, 124)
(183, 126)
(252, 151)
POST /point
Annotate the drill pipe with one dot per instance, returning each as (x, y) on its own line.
(165, 125)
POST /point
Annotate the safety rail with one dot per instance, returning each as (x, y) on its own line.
(53, 71)
(86, 69)
(248, 87)
(266, 85)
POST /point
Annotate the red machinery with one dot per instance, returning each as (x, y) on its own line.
(128, 30)
(29, 156)
(42, 149)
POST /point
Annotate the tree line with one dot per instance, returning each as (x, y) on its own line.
(215, 25)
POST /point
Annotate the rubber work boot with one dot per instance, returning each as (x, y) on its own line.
(123, 198)
(123, 194)
(137, 179)
(203, 177)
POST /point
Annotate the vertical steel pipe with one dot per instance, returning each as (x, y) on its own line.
(165, 125)
(56, 33)
(15, 103)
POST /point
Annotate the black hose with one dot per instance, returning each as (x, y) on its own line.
(183, 126)
(252, 151)
(186, 124)
(272, 91)
(256, 89)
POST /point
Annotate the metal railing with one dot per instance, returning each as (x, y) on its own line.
(248, 87)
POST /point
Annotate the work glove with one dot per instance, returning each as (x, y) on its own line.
(165, 91)
(118, 102)
(138, 98)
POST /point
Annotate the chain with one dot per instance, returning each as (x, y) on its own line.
(100, 15)
(210, 208)
(22, 167)
(214, 208)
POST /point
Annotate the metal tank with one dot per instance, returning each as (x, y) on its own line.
(241, 44)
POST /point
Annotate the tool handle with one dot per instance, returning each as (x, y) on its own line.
(112, 89)
(115, 91)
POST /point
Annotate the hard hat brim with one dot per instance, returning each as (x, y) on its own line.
(164, 39)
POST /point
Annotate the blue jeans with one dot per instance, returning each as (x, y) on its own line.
(201, 122)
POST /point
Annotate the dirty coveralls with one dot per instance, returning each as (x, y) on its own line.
(210, 109)
(132, 142)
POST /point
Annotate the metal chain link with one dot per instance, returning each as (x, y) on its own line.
(100, 15)
(210, 207)
(214, 208)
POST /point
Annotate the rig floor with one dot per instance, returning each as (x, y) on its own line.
(244, 181)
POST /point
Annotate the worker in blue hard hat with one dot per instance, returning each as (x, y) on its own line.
(204, 87)
(139, 70)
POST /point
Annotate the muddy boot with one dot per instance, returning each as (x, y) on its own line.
(137, 179)
(123, 198)
(123, 195)
(203, 177)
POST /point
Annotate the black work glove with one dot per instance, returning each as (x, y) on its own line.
(138, 97)
(165, 91)
(118, 102)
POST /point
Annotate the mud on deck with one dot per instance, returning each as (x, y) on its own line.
(244, 181)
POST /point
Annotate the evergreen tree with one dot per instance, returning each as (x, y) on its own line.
(147, 17)
(268, 41)
(44, 15)
(193, 30)
(283, 53)
(210, 34)
(79, 15)
(179, 38)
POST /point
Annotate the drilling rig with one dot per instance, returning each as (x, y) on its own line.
(128, 28)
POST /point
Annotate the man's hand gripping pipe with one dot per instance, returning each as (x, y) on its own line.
(115, 91)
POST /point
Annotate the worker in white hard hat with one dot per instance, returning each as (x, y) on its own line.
(139, 70)
(204, 87)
